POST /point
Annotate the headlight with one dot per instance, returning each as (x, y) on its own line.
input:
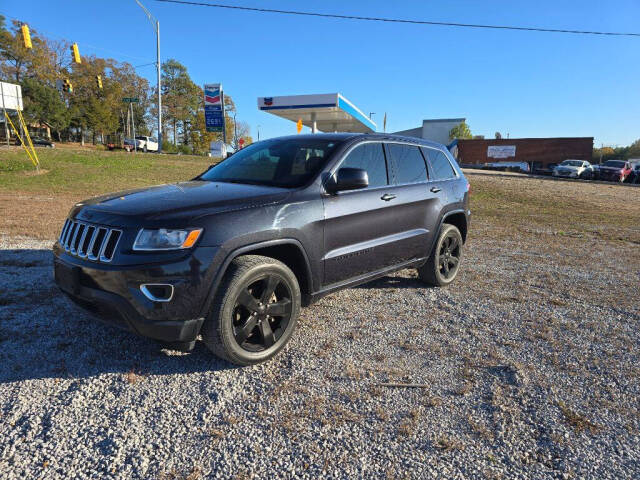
(166, 239)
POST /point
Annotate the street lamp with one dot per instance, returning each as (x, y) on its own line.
(156, 27)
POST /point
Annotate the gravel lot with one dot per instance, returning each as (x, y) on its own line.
(529, 368)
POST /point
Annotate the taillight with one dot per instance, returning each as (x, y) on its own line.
(468, 187)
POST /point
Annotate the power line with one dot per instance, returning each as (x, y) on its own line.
(402, 20)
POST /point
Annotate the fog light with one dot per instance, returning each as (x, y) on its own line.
(157, 292)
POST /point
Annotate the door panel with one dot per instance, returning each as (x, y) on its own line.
(361, 234)
(370, 229)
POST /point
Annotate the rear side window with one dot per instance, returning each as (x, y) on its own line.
(441, 168)
(369, 157)
(408, 162)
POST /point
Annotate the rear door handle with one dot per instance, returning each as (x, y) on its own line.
(435, 189)
(387, 196)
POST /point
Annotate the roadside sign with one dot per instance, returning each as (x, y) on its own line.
(213, 107)
(131, 100)
(241, 142)
(299, 125)
(218, 149)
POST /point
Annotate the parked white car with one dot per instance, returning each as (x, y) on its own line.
(142, 143)
(147, 144)
(574, 169)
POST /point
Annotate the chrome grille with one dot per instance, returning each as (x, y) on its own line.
(93, 242)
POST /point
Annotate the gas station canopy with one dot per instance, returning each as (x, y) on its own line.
(327, 112)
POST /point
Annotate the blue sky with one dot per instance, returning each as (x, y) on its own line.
(523, 84)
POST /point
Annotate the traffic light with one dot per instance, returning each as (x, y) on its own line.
(75, 53)
(67, 86)
(26, 36)
(99, 81)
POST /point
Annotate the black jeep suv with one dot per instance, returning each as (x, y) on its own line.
(233, 254)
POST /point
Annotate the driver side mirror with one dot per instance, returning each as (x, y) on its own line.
(348, 179)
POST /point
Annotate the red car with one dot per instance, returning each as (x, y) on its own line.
(614, 170)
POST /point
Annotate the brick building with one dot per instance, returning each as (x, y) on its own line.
(537, 152)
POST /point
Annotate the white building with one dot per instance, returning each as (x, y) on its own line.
(436, 130)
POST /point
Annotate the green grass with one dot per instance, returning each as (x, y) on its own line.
(91, 172)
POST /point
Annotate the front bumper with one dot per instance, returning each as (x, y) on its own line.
(113, 292)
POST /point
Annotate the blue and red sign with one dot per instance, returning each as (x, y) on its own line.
(213, 108)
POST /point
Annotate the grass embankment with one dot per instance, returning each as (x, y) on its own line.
(35, 205)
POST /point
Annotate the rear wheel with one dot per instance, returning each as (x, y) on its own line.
(255, 311)
(442, 267)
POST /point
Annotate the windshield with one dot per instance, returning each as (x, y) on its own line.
(614, 163)
(287, 163)
(572, 163)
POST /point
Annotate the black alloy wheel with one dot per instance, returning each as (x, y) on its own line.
(254, 312)
(442, 266)
(449, 255)
(262, 313)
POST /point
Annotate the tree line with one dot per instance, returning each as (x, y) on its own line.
(100, 113)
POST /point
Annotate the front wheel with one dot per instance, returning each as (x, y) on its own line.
(254, 312)
(442, 267)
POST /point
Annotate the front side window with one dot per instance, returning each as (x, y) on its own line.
(286, 163)
(441, 168)
(409, 163)
(369, 157)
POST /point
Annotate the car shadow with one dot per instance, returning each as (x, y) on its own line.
(398, 280)
(44, 335)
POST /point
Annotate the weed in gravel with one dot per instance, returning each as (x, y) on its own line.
(577, 420)
(480, 429)
(431, 401)
(382, 414)
(216, 434)
(464, 389)
(447, 443)
(132, 377)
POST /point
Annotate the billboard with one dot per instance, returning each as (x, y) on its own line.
(501, 151)
(10, 96)
(213, 107)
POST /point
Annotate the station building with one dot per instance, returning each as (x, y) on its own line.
(538, 153)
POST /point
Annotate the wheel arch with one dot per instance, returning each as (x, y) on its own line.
(287, 250)
(459, 220)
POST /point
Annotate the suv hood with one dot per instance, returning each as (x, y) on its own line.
(161, 200)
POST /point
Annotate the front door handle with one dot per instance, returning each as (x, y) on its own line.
(435, 189)
(387, 196)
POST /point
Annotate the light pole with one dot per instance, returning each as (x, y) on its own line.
(156, 27)
(235, 131)
(258, 132)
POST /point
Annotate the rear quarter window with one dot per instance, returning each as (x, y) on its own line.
(441, 168)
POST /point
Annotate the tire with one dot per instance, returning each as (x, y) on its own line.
(434, 272)
(243, 300)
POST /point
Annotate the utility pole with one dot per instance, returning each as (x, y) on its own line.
(235, 131)
(156, 27)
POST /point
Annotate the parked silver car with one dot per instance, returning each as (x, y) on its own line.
(574, 169)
